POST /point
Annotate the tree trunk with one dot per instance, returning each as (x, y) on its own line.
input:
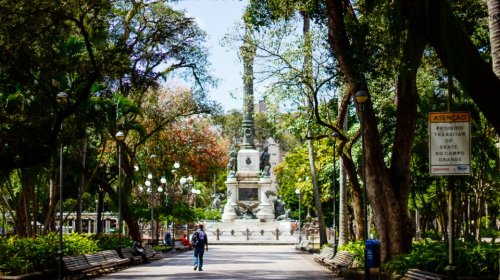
(387, 189)
(100, 210)
(50, 218)
(343, 213)
(494, 26)
(308, 76)
(79, 199)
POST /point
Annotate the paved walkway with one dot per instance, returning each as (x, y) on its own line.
(231, 262)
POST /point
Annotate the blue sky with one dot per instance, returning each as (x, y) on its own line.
(217, 18)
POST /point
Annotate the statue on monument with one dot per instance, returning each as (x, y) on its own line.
(216, 202)
(249, 210)
(231, 166)
(265, 165)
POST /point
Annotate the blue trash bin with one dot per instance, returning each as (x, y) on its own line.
(372, 253)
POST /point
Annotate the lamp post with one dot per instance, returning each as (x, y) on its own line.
(61, 98)
(335, 135)
(195, 192)
(361, 97)
(120, 136)
(151, 191)
(297, 191)
(174, 171)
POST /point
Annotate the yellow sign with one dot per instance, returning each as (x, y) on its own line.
(449, 143)
(451, 117)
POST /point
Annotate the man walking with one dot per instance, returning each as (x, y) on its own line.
(200, 243)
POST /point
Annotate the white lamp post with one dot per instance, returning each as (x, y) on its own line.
(297, 191)
(61, 98)
(120, 136)
(195, 192)
(174, 171)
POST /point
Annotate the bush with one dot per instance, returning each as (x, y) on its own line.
(472, 258)
(357, 249)
(25, 255)
(112, 241)
(209, 215)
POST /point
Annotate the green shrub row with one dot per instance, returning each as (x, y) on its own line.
(472, 258)
(25, 255)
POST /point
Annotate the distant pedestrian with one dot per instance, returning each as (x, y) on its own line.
(168, 238)
(200, 243)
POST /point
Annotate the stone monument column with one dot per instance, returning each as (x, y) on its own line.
(229, 213)
(265, 208)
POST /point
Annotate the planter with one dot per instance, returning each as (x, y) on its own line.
(37, 275)
(353, 274)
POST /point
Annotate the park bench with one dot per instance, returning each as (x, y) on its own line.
(341, 260)
(151, 253)
(179, 246)
(98, 260)
(303, 245)
(325, 254)
(113, 257)
(417, 274)
(78, 265)
(128, 253)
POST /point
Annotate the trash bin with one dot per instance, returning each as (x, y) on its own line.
(372, 253)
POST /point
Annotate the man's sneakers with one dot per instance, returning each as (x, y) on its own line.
(200, 269)
(195, 267)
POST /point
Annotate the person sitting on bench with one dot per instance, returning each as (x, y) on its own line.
(186, 242)
(139, 251)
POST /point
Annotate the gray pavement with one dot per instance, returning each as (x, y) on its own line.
(231, 262)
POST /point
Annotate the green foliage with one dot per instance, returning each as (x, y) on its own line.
(111, 241)
(472, 258)
(210, 214)
(24, 255)
(357, 249)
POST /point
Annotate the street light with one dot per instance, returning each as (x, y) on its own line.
(361, 97)
(61, 98)
(151, 191)
(297, 191)
(335, 135)
(174, 171)
(120, 136)
(195, 192)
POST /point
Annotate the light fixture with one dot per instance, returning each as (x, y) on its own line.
(62, 97)
(361, 96)
(120, 136)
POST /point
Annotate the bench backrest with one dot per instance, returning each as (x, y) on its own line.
(343, 258)
(76, 263)
(305, 243)
(127, 252)
(110, 255)
(148, 249)
(422, 275)
(327, 252)
(95, 259)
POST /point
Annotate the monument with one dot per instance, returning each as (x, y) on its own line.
(248, 185)
(248, 215)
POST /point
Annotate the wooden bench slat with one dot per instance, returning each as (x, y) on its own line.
(417, 274)
(342, 259)
(151, 253)
(128, 253)
(112, 256)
